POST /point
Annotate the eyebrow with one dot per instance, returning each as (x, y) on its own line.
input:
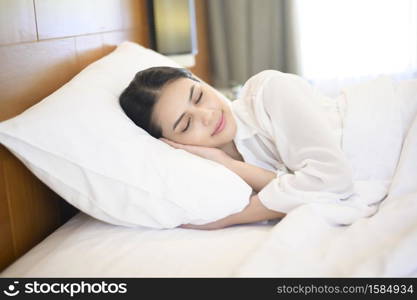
(182, 115)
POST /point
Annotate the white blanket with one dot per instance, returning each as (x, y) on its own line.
(305, 244)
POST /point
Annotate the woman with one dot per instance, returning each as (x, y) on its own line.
(276, 137)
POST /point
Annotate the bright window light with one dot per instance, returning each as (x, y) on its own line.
(356, 38)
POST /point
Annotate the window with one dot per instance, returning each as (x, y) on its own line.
(353, 39)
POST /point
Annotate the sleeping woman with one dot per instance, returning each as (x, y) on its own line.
(275, 136)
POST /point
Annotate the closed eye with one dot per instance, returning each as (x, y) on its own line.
(199, 97)
(188, 125)
(189, 120)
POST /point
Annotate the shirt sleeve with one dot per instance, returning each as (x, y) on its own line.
(319, 170)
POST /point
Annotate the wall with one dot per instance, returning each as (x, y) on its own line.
(44, 43)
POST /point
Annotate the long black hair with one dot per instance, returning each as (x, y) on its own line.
(139, 97)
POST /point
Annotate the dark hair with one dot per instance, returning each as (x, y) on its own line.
(139, 98)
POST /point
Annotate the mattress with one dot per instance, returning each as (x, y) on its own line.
(87, 247)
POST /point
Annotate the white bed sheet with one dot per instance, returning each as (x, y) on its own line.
(86, 247)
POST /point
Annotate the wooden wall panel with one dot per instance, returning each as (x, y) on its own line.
(32, 71)
(31, 210)
(133, 14)
(91, 47)
(111, 39)
(202, 67)
(17, 21)
(88, 48)
(33, 207)
(6, 241)
(64, 18)
(143, 26)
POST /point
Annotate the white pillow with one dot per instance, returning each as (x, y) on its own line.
(80, 143)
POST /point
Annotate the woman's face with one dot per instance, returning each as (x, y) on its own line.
(193, 113)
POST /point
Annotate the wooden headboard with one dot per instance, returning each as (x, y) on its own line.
(43, 44)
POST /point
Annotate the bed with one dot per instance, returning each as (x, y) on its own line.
(300, 245)
(43, 236)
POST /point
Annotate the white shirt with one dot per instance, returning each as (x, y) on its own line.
(286, 126)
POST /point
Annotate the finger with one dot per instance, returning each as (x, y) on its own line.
(208, 226)
(186, 226)
(190, 226)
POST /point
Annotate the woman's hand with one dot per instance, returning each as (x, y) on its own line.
(213, 154)
(255, 211)
(222, 223)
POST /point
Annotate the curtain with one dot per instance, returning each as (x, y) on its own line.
(246, 37)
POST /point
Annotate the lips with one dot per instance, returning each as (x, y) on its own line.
(220, 125)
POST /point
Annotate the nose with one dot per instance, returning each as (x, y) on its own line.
(206, 116)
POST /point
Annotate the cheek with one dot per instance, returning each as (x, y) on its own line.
(214, 101)
(203, 132)
(198, 136)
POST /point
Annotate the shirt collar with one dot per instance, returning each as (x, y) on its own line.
(243, 130)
